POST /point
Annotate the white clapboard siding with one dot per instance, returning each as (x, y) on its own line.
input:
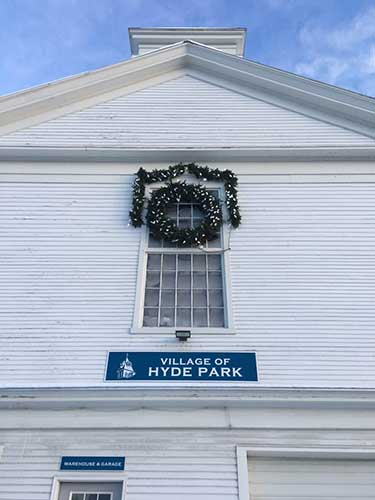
(160, 464)
(184, 112)
(302, 270)
(311, 479)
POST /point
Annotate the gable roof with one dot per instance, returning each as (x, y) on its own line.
(185, 112)
(331, 105)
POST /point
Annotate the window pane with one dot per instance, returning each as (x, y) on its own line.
(214, 262)
(214, 280)
(169, 262)
(91, 496)
(183, 317)
(151, 297)
(172, 211)
(168, 279)
(104, 496)
(153, 279)
(216, 298)
(199, 280)
(167, 298)
(216, 243)
(77, 496)
(197, 212)
(150, 317)
(168, 244)
(183, 279)
(184, 262)
(166, 317)
(154, 262)
(183, 298)
(153, 242)
(200, 317)
(184, 211)
(184, 223)
(199, 262)
(200, 298)
(216, 317)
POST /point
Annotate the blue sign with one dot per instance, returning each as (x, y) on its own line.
(92, 463)
(202, 366)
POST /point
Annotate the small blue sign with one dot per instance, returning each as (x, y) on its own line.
(92, 463)
(201, 366)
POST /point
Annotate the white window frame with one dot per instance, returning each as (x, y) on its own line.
(85, 493)
(244, 452)
(138, 327)
(119, 477)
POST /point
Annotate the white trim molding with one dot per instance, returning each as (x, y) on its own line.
(136, 155)
(163, 395)
(223, 251)
(230, 40)
(92, 477)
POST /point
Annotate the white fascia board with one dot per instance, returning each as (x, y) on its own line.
(32, 153)
(87, 78)
(215, 397)
(59, 98)
(316, 99)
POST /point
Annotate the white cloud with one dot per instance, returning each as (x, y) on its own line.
(370, 62)
(343, 55)
(361, 29)
(332, 68)
(345, 37)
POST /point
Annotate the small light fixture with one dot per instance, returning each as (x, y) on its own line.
(183, 335)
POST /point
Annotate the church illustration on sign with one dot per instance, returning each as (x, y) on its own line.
(126, 369)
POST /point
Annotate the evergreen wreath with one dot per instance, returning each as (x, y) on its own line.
(209, 226)
(163, 227)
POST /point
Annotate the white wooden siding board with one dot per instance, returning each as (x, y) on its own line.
(62, 254)
(164, 464)
(184, 112)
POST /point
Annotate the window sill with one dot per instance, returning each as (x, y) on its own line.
(172, 331)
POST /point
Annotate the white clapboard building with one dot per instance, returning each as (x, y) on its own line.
(133, 368)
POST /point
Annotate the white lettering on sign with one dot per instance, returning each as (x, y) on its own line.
(91, 464)
(220, 372)
(185, 362)
(222, 361)
(189, 367)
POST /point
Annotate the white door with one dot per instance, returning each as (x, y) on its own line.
(311, 479)
(90, 491)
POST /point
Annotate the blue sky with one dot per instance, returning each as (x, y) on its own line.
(328, 40)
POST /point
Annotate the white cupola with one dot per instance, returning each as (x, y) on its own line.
(230, 40)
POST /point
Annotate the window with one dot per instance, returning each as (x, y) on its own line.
(90, 496)
(184, 287)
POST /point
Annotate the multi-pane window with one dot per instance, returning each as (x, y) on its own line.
(184, 286)
(90, 496)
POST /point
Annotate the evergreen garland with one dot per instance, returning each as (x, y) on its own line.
(167, 175)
